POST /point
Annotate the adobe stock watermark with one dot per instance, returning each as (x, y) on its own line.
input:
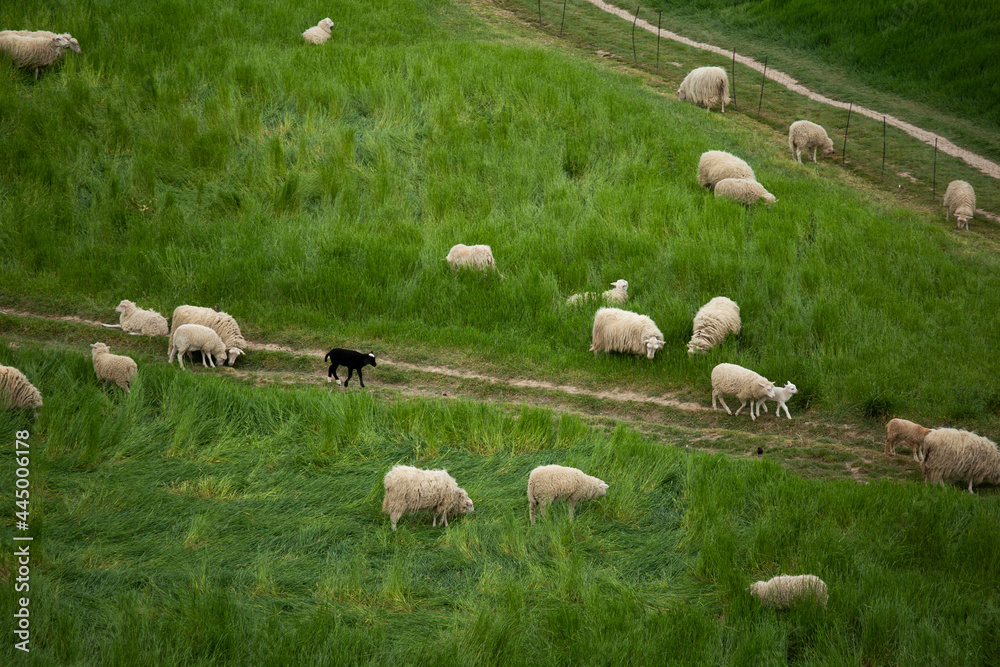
(22, 543)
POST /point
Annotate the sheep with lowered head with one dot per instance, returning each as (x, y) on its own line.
(713, 166)
(705, 86)
(471, 257)
(804, 135)
(713, 322)
(960, 201)
(319, 33)
(617, 330)
(744, 191)
(196, 338)
(409, 489)
(36, 49)
(221, 323)
(617, 294)
(743, 383)
(951, 455)
(16, 391)
(786, 590)
(554, 482)
(782, 395)
(114, 367)
(137, 321)
(903, 432)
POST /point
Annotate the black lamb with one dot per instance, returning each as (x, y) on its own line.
(354, 361)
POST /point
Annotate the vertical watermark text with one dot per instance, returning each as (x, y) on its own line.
(22, 543)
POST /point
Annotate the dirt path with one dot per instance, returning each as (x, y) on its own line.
(987, 167)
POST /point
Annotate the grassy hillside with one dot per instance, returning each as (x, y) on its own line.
(930, 51)
(203, 521)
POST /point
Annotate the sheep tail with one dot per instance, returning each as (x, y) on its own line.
(327, 356)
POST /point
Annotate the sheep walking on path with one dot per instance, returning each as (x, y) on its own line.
(553, 482)
(960, 201)
(116, 368)
(903, 432)
(16, 391)
(617, 330)
(353, 360)
(714, 321)
(705, 86)
(951, 455)
(743, 383)
(785, 590)
(36, 49)
(782, 395)
(409, 489)
(804, 135)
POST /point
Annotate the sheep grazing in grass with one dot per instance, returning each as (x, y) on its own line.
(114, 367)
(549, 483)
(713, 166)
(409, 489)
(786, 590)
(137, 321)
(804, 135)
(705, 86)
(36, 49)
(960, 201)
(16, 391)
(712, 323)
(319, 33)
(222, 323)
(196, 338)
(782, 395)
(471, 257)
(617, 330)
(617, 294)
(951, 455)
(354, 361)
(743, 383)
(903, 432)
(744, 191)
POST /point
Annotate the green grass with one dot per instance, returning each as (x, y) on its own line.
(201, 520)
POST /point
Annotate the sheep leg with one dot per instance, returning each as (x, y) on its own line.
(970, 487)
(571, 504)
(445, 515)
(531, 510)
(723, 401)
(782, 405)
(743, 404)
(113, 326)
(171, 353)
(361, 379)
(180, 358)
(333, 371)
(394, 517)
(204, 358)
(350, 374)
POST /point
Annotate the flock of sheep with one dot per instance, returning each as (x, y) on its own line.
(944, 454)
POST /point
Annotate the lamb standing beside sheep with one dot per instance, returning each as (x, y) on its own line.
(713, 322)
(705, 86)
(114, 367)
(951, 455)
(196, 338)
(804, 135)
(16, 391)
(135, 320)
(743, 383)
(713, 166)
(960, 201)
(901, 431)
(785, 590)
(36, 49)
(782, 395)
(617, 294)
(743, 191)
(471, 257)
(554, 482)
(617, 330)
(319, 33)
(222, 323)
(409, 489)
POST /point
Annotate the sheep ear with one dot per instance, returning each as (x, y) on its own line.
(604, 485)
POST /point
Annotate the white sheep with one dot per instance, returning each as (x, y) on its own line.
(804, 135)
(409, 489)
(901, 431)
(705, 86)
(137, 321)
(781, 395)
(960, 201)
(222, 323)
(617, 294)
(744, 191)
(785, 590)
(114, 367)
(471, 257)
(554, 482)
(36, 49)
(319, 33)
(196, 338)
(617, 330)
(712, 323)
(16, 391)
(713, 166)
(743, 383)
(951, 455)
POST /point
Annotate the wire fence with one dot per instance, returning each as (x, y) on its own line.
(871, 147)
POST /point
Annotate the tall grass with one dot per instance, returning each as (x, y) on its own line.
(201, 520)
(315, 191)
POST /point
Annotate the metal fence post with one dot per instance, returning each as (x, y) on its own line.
(734, 75)
(659, 18)
(634, 56)
(561, 23)
(845, 131)
(882, 177)
(934, 178)
(762, 78)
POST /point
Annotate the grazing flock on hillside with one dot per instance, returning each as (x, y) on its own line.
(944, 454)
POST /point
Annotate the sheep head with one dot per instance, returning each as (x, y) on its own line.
(231, 354)
(681, 95)
(652, 345)
(768, 388)
(621, 283)
(791, 388)
(326, 23)
(66, 41)
(124, 305)
(99, 347)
